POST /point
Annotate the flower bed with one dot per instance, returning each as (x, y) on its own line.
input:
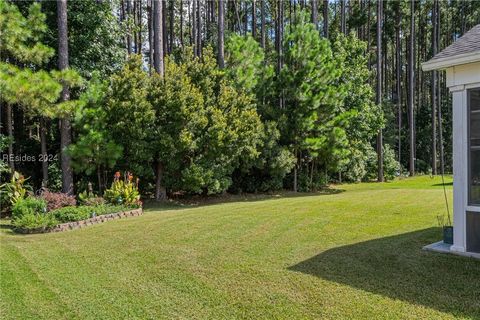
(86, 222)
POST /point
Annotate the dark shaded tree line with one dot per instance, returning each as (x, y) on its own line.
(394, 37)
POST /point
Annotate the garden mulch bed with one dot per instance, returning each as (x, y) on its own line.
(84, 223)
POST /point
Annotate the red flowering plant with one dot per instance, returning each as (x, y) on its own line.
(123, 191)
(57, 200)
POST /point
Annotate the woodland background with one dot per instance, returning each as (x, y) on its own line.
(214, 96)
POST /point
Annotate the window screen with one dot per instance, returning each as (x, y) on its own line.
(473, 232)
(474, 146)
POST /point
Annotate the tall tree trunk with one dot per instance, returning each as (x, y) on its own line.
(245, 18)
(411, 88)
(398, 47)
(11, 163)
(158, 37)
(181, 24)
(434, 90)
(194, 27)
(325, 18)
(199, 29)
(65, 125)
(262, 23)
(315, 13)
(160, 192)
(221, 34)
(380, 177)
(254, 19)
(129, 36)
(164, 28)
(172, 26)
(140, 27)
(369, 37)
(150, 34)
(343, 28)
(43, 148)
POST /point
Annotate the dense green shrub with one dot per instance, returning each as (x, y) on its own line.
(70, 214)
(31, 213)
(28, 205)
(390, 164)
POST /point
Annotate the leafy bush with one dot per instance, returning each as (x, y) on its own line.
(13, 191)
(57, 200)
(390, 164)
(88, 198)
(31, 213)
(123, 191)
(36, 221)
(28, 205)
(69, 214)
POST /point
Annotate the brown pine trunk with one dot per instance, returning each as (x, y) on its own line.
(150, 34)
(221, 33)
(325, 18)
(199, 29)
(315, 13)
(380, 177)
(65, 126)
(262, 23)
(434, 91)
(411, 89)
(160, 193)
(398, 50)
(11, 163)
(172, 29)
(254, 19)
(129, 37)
(164, 28)
(43, 148)
(181, 23)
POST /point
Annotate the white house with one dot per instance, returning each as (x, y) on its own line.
(461, 60)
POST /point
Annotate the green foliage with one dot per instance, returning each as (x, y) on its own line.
(390, 164)
(245, 60)
(366, 118)
(13, 191)
(4, 142)
(31, 213)
(88, 198)
(72, 213)
(94, 150)
(20, 36)
(123, 191)
(204, 125)
(129, 118)
(268, 171)
(312, 120)
(36, 90)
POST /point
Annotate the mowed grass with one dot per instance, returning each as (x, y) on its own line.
(353, 253)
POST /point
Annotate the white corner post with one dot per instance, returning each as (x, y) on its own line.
(460, 167)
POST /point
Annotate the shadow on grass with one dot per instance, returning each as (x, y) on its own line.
(202, 201)
(441, 184)
(397, 267)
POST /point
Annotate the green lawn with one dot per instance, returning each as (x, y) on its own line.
(351, 254)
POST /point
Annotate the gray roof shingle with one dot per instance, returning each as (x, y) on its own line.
(469, 43)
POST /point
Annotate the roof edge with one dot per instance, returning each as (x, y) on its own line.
(438, 64)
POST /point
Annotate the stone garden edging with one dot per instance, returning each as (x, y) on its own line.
(87, 222)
